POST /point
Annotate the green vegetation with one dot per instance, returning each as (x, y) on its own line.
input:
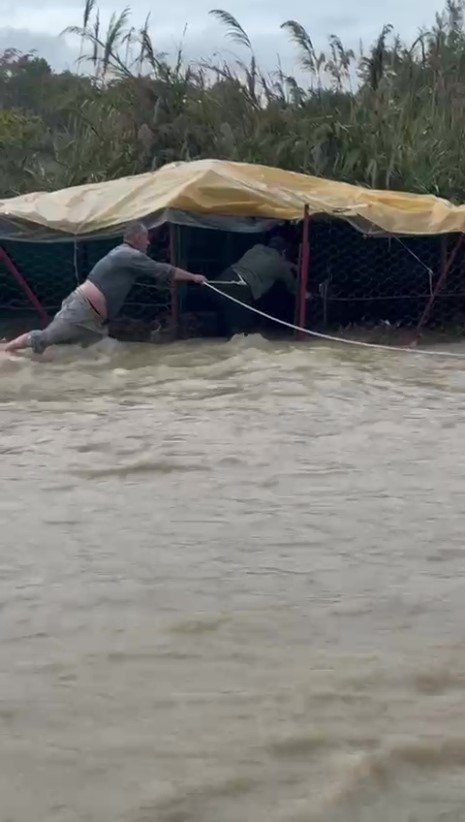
(391, 118)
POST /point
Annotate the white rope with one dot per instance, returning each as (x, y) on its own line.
(419, 260)
(330, 338)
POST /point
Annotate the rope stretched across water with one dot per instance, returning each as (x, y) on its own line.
(331, 338)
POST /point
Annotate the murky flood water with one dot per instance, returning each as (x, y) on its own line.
(232, 585)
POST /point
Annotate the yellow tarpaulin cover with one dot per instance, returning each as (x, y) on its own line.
(217, 188)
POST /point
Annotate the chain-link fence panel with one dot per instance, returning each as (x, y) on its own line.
(366, 280)
(48, 269)
(353, 279)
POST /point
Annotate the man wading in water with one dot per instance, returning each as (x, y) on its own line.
(85, 314)
(253, 276)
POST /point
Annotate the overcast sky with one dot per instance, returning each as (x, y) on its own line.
(36, 24)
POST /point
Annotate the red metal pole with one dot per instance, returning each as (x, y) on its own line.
(303, 276)
(174, 289)
(10, 266)
(446, 267)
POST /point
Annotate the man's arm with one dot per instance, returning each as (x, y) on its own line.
(291, 282)
(288, 279)
(166, 273)
(295, 268)
(181, 276)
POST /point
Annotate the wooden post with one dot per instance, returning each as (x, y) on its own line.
(303, 276)
(297, 300)
(174, 289)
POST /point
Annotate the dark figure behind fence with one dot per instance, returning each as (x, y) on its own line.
(249, 280)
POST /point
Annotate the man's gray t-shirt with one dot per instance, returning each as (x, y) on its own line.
(261, 267)
(115, 274)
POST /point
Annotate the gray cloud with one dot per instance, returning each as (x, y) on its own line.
(37, 28)
(54, 49)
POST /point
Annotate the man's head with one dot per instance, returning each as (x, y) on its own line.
(137, 236)
(278, 244)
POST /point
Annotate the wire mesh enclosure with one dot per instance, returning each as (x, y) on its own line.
(353, 279)
(366, 280)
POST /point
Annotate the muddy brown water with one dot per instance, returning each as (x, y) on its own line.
(232, 585)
